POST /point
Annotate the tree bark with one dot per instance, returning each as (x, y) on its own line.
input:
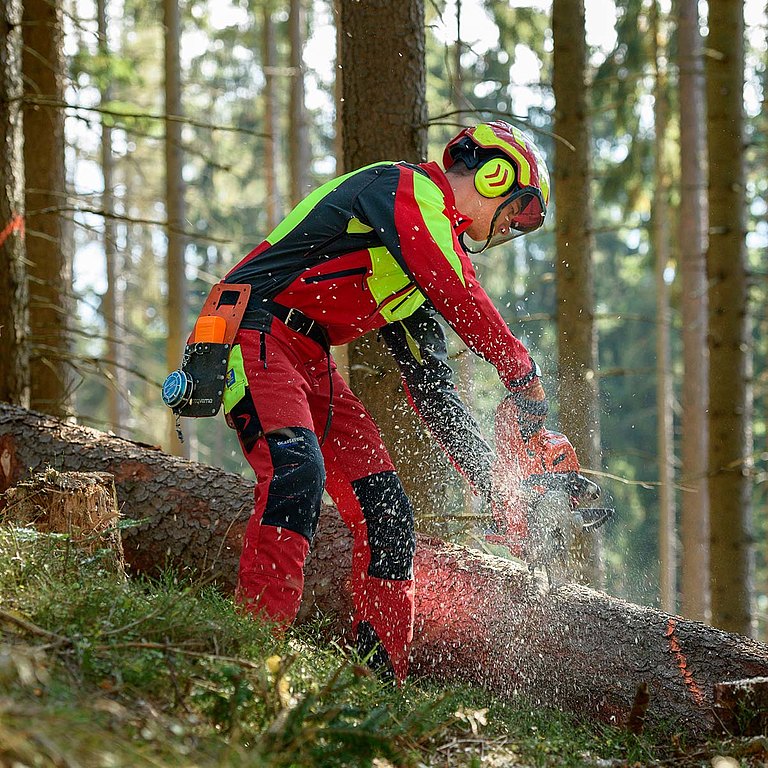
(664, 393)
(174, 201)
(692, 247)
(271, 123)
(384, 117)
(479, 619)
(112, 303)
(49, 265)
(730, 342)
(576, 333)
(299, 155)
(14, 318)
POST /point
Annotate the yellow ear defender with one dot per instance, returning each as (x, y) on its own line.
(495, 177)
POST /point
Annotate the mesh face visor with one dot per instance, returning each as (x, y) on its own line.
(518, 214)
(510, 221)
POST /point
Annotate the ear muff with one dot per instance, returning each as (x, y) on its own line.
(495, 177)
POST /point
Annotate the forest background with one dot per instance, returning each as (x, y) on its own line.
(187, 131)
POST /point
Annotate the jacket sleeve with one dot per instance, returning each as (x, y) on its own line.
(419, 346)
(423, 241)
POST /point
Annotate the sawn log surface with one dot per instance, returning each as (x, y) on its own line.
(479, 619)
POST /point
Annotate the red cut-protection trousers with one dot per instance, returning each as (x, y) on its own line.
(290, 383)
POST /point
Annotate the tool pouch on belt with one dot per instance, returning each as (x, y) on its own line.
(197, 388)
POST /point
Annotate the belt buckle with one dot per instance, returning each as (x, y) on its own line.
(303, 324)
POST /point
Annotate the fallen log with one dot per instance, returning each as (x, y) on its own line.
(480, 619)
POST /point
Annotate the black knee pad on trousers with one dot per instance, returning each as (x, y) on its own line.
(298, 479)
(389, 517)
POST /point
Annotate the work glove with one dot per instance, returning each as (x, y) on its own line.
(526, 407)
(524, 411)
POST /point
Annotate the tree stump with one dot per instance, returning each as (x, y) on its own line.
(741, 706)
(82, 505)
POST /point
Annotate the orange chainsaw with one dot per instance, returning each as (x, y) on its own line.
(539, 496)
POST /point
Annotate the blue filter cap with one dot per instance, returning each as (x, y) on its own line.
(177, 388)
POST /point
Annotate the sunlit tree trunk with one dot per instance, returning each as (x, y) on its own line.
(384, 118)
(14, 352)
(271, 124)
(299, 155)
(174, 197)
(764, 128)
(664, 404)
(692, 245)
(467, 359)
(577, 336)
(111, 302)
(730, 405)
(338, 94)
(340, 354)
(48, 238)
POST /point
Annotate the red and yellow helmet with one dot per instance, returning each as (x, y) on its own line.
(509, 166)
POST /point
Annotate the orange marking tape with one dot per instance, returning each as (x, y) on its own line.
(16, 224)
(682, 664)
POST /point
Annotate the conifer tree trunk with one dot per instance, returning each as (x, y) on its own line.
(338, 94)
(577, 336)
(174, 198)
(299, 156)
(47, 236)
(692, 245)
(340, 354)
(467, 360)
(384, 118)
(111, 302)
(14, 351)
(271, 123)
(664, 426)
(730, 406)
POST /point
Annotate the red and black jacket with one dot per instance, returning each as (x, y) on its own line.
(380, 247)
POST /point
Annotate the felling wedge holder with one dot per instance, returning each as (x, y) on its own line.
(226, 301)
(197, 387)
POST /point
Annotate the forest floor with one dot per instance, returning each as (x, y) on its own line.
(101, 670)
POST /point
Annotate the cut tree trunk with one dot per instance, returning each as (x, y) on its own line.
(479, 619)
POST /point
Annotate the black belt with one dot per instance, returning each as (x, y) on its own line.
(297, 321)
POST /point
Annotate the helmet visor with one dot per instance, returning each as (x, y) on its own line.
(522, 212)
(519, 213)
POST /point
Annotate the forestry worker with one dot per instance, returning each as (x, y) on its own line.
(384, 247)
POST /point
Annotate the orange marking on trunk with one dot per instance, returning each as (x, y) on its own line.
(682, 664)
(16, 224)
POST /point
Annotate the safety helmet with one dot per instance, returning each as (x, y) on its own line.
(508, 166)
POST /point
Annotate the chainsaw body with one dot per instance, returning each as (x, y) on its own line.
(542, 501)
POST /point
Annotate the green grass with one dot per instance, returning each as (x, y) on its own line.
(98, 670)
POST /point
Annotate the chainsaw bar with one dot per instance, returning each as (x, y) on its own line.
(550, 497)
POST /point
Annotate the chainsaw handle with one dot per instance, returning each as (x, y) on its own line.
(594, 517)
